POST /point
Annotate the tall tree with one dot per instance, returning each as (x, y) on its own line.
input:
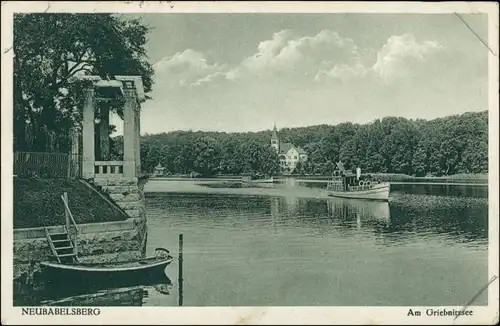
(50, 49)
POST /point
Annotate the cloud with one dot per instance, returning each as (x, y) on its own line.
(210, 79)
(286, 54)
(185, 68)
(319, 58)
(343, 72)
(396, 57)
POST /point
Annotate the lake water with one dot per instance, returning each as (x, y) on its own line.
(290, 245)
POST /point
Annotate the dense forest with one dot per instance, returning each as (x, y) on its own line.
(443, 146)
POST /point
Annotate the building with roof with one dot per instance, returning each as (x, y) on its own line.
(158, 171)
(289, 154)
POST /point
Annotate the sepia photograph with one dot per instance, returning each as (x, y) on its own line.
(177, 156)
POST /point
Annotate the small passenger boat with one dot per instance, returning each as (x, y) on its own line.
(132, 271)
(349, 185)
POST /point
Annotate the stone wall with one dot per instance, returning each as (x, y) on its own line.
(27, 254)
(126, 194)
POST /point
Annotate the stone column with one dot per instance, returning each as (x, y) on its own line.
(88, 135)
(129, 130)
(138, 139)
(104, 132)
(75, 159)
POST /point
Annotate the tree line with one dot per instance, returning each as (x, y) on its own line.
(438, 147)
(207, 153)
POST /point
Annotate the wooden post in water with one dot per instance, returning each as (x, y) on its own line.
(181, 259)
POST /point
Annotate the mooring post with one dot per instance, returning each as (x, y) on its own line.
(30, 271)
(181, 259)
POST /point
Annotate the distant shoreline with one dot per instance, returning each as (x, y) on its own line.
(458, 179)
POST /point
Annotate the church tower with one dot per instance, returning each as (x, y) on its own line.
(275, 141)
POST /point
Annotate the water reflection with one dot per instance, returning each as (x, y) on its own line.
(407, 216)
(462, 219)
(291, 204)
(290, 182)
(130, 293)
(127, 296)
(274, 213)
(310, 249)
(456, 190)
(361, 210)
(113, 297)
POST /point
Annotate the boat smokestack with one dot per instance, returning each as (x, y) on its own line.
(358, 173)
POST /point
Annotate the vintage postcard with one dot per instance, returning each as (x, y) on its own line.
(251, 163)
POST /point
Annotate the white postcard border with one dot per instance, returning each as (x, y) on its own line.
(249, 315)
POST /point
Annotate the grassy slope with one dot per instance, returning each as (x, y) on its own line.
(37, 202)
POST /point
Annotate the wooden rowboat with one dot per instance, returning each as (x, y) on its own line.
(127, 272)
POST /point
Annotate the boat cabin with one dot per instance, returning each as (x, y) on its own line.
(343, 180)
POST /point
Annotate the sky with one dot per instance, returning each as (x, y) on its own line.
(244, 72)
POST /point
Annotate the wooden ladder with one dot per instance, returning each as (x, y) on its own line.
(63, 249)
(64, 246)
